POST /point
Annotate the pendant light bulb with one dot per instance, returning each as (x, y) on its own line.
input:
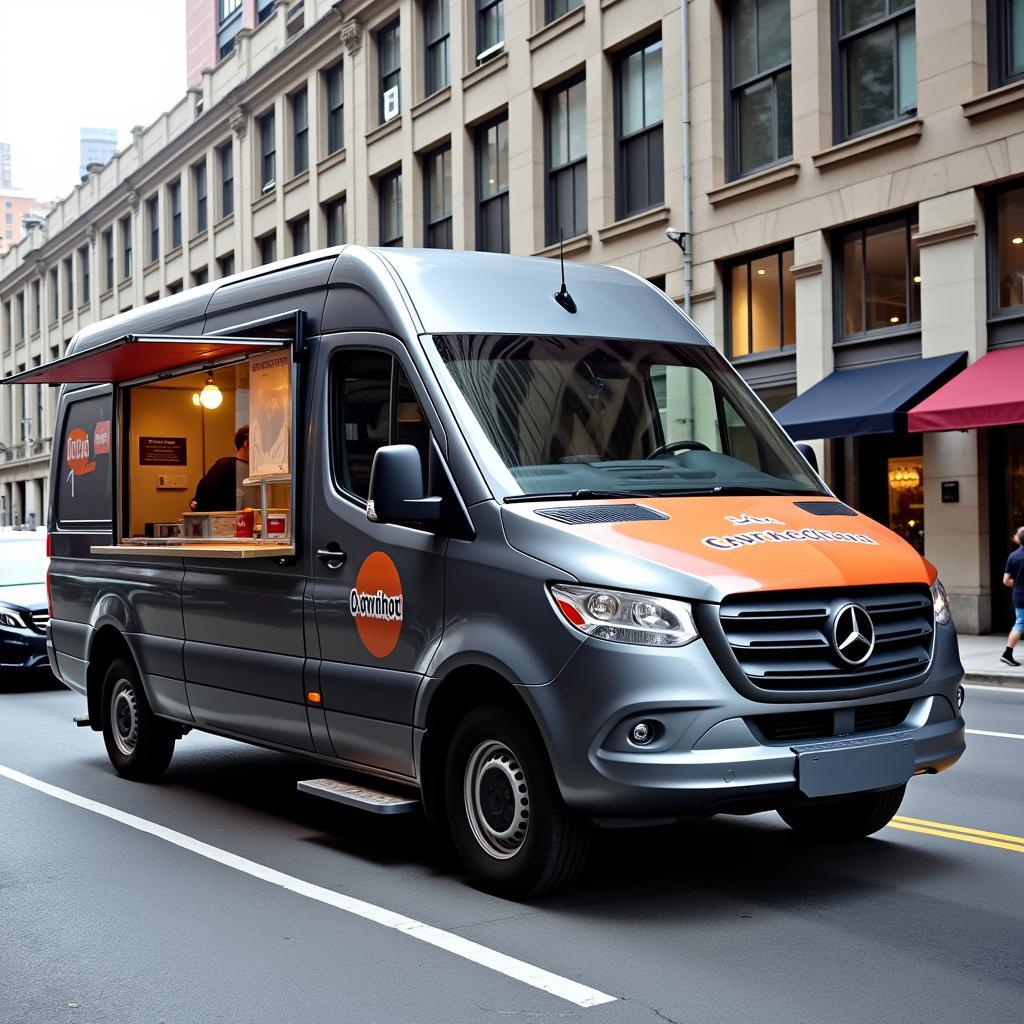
(195, 398)
(211, 396)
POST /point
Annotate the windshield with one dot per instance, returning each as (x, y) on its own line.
(581, 417)
(21, 562)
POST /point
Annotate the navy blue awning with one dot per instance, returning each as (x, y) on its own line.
(867, 400)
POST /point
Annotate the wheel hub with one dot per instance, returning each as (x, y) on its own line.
(124, 717)
(497, 799)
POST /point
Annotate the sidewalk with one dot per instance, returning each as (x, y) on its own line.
(980, 657)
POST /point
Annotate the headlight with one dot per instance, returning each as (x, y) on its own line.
(940, 603)
(625, 618)
(7, 619)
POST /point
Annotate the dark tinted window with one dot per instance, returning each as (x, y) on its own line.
(365, 418)
(83, 476)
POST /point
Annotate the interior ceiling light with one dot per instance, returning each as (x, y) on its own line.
(210, 397)
(894, 319)
(917, 279)
(1017, 240)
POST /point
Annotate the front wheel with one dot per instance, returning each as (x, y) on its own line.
(507, 819)
(138, 743)
(849, 817)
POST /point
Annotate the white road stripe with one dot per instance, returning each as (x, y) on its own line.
(1001, 735)
(556, 985)
(1008, 689)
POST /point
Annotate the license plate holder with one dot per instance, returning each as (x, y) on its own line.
(855, 765)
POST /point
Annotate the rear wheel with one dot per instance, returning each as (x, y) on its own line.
(849, 817)
(138, 743)
(507, 819)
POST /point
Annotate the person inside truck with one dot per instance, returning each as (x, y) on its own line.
(220, 489)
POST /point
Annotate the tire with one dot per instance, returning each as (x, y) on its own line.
(507, 820)
(849, 817)
(138, 743)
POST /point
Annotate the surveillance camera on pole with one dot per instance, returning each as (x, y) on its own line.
(677, 236)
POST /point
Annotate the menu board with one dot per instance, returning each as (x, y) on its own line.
(270, 413)
(83, 476)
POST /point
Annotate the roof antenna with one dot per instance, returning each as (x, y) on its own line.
(562, 296)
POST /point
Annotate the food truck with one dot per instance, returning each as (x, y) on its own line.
(508, 544)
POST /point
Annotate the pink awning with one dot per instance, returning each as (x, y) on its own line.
(989, 393)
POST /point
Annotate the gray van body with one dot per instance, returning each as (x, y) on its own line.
(234, 647)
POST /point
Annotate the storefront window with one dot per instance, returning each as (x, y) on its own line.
(906, 499)
(762, 304)
(1009, 249)
(880, 277)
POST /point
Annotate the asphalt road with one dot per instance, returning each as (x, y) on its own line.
(719, 921)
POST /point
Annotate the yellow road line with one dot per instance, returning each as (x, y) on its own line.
(944, 827)
(956, 835)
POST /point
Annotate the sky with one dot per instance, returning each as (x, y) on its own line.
(69, 64)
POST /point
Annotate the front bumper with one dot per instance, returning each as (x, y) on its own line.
(709, 754)
(22, 649)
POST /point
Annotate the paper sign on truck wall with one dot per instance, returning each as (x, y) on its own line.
(270, 408)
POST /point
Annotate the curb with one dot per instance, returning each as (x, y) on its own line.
(996, 679)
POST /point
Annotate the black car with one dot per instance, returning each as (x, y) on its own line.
(23, 608)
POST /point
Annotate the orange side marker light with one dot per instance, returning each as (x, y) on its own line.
(313, 697)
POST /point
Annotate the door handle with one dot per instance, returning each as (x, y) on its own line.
(332, 556)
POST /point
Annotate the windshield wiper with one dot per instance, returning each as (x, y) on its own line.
(583, 494)
(736, 489)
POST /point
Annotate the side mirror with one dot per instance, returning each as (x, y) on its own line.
(808, 453)
(396, 488)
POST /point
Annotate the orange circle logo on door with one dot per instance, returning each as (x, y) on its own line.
(77, 454)
(376, 604)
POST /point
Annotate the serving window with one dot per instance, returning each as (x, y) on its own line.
(205, 430)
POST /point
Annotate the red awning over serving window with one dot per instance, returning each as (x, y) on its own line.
(136, 357)
(989, 393)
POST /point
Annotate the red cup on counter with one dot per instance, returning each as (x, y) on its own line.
(245, 523)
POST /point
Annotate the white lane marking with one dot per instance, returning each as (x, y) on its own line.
(1007, 689)
(1001, 735)
(519, 970)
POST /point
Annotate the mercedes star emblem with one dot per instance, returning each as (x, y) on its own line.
(853, 634)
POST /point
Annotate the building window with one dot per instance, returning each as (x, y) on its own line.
(174, 287)
(69, 285)
(639, 171)
(229, 24)
(879, 277)
(556, 8)
(264, 9)
(760, 110)
(54, 296)
(108, 259)
(174, 202)
(876, 63)
(437, 188)
(389, 59)
(334, 212)
(83, 270)
(268, 152)
(126, 246)
(299, 229)
(1006, 253)
(566, 114)
(1005, 41)
(226, 265)
(201, 276)
(436, 30)
(300, 131)
(492, 229)
(335, 88)
(153, 222)
(490, 28)
(226, 165)
(267, 248)
(37, 305)
(7, 329)
(761, 303)
(199, 191)
(389, 198)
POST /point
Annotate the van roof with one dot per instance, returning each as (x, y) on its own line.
(448, 293)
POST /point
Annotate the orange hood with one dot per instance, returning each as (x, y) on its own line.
(723, 545)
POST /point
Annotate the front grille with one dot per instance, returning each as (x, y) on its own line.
(783, 641)
(792, 726)
(587, 515)
(39, 621)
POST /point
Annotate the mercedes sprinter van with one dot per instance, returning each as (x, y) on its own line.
(527, 556)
